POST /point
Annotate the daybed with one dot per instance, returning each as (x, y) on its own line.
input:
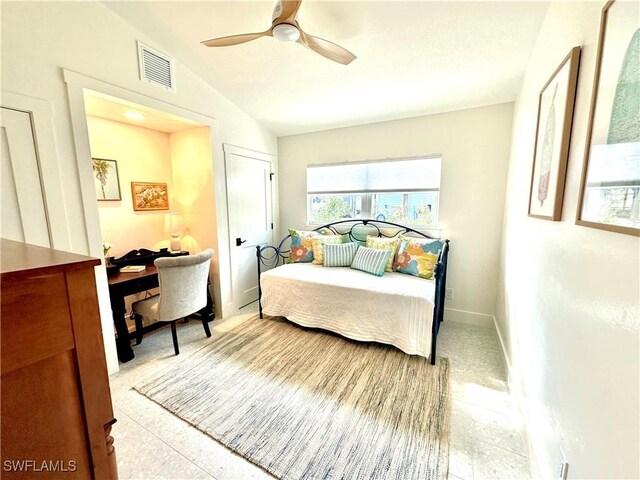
(396, 309)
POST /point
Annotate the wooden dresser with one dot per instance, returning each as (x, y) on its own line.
(56, 404)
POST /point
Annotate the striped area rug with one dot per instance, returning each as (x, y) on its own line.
(309, 404)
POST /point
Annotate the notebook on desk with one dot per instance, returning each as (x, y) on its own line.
(132, 269)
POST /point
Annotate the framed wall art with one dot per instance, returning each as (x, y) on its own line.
(149, 196)
(105, 176)
(610, 188)
(553, 135)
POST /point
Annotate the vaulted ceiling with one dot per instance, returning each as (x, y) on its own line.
(414, 58)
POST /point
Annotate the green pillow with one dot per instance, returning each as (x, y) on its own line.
(371, 261)
(339, 254)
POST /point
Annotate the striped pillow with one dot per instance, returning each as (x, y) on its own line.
(371, 261)
(339, 255)
(382, 243)
(318, 243)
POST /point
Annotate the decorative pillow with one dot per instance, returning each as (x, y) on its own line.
(318, 244)
(346, 238)
(370, 260)
(301, 246)
(417, 257)
(339, 254)
(388, 244)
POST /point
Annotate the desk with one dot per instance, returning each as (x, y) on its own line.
(124, 284)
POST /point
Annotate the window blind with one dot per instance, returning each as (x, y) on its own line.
(421, 174)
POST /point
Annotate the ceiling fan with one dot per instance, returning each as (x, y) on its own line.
(285, 28)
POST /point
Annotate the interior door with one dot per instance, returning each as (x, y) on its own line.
(250, 217)
(24, 216)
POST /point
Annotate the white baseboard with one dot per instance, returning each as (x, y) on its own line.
(229, 310)
(516, 397)
(471, 318)
(505, 356)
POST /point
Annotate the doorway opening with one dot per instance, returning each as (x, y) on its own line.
(154, 186)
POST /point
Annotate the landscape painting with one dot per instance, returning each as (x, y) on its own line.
(149, 196)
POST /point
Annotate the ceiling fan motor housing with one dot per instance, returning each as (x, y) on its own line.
(277, 11)
(284, 32)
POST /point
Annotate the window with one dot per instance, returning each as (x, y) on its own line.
(612, 190)
(397, 191)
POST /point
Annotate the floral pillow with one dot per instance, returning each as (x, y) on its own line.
(417, 257)
(388, 244)
(301, 246)
(318, 244)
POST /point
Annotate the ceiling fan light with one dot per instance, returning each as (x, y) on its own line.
(286, 33)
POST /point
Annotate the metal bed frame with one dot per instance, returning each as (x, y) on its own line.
(271, 256)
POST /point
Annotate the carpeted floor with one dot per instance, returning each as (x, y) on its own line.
(304, 403)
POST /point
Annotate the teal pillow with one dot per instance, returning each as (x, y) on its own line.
(339, 254)
(346, 238)
(371, 261)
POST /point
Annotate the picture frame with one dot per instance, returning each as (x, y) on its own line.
(609, 196)
(106, 179)
(552, 140)
(149, 196)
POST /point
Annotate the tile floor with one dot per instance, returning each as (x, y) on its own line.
(151, 443)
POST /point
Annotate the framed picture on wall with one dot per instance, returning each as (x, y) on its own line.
(610, 188)
(107, 182)
(553, 135)
(149, 196)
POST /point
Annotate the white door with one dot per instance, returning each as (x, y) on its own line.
(24, 217)
(250, 217)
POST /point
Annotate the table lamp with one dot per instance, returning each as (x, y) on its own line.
(174, 224)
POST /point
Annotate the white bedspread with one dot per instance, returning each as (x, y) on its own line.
(395, 309)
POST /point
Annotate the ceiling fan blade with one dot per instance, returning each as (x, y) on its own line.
(289, 11)
(327, 49)
(235, 39)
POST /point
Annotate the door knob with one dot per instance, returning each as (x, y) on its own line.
(239, 241)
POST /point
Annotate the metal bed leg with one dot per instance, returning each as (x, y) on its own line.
(259, 287)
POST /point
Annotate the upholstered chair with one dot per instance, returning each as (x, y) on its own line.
(183, 291)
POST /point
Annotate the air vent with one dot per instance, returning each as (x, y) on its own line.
(156, 67)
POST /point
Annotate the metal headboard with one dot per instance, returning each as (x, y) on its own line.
(271, 256)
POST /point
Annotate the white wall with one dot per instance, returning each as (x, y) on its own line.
(568, 297)
(142, 155)
(474, 145)
(41, 38)
(194, 195)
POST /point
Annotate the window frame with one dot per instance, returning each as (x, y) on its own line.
(367, 201)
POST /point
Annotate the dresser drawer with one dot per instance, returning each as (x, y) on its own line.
(36, 322)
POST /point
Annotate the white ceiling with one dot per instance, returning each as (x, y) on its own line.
(414, 58)
(103, 106)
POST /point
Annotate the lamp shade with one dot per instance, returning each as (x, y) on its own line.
(173, 222)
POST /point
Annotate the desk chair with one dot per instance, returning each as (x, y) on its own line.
(183, 291)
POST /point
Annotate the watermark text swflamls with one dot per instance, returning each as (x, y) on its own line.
(39, 466)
